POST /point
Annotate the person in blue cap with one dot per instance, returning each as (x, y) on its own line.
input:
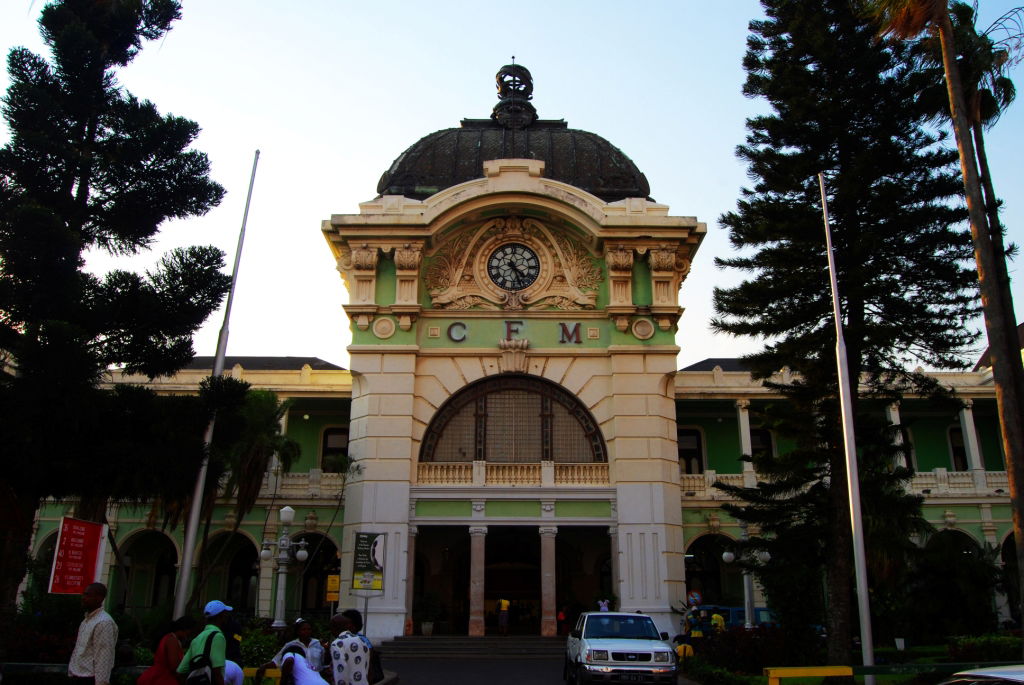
(217, 614)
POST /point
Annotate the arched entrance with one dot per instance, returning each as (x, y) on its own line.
(151, 562)
(310, 586)
(512, 426)
(229, 570)
(513, 418)
(717, 582)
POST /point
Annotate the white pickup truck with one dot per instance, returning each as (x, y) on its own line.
(609, 647)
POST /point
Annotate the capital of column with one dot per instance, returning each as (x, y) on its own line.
(477, 531)
(413, 531)
(742, 404)
(968, 404)
(548, 531)
(613, 531)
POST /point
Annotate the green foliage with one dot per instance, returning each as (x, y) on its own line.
(985, 648)
(89, 166)
(259, 642)
(842, 104)
(952, 566)
(749, 651)
(701, 671)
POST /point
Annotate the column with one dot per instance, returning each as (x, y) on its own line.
(743, 418)
(548, 622)
(410, 576)
(613, 535)
(892, 415)
(971, 445)
(477, 542)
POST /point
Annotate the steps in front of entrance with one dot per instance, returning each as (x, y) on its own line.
(461, 646)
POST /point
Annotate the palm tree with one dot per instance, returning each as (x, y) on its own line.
(988, 91)
(908, 19)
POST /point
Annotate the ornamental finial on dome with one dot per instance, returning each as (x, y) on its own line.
(515, 90)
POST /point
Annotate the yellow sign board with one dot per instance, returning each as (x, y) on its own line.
(333, 589)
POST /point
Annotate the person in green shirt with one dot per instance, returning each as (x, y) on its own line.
(217, 614)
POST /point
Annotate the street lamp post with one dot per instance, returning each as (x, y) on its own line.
(286, 515)
(748, 578)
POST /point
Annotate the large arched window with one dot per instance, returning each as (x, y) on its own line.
(513, 419)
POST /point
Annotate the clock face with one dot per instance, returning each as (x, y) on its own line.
(513, 266)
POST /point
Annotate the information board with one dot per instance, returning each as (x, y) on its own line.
(78, 558)
(368, 561)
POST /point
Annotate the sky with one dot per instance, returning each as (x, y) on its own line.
(332, 91)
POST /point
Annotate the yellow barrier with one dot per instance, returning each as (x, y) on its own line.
(775, 674)
(271, 674)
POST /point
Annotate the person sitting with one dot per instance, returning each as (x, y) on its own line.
(295, 668)
(312, 649)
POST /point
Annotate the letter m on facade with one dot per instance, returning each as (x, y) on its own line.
(569, 335)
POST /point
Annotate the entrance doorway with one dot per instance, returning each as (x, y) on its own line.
(512, 572)
(441, 581)
(583, 571)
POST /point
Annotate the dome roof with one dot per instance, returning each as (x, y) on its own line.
(455, 155)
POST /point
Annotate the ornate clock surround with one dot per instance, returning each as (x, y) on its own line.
(457, 278)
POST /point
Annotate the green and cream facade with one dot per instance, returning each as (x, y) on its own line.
(447, 363)
(514, 413)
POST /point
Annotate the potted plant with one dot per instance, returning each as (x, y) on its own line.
(428, 610)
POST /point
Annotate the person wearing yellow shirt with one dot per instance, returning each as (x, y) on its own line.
(503, 605)
(717, 621)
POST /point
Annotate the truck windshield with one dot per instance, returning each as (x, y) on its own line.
(628, 627)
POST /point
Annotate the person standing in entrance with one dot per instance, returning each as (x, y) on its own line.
(93, 657)
(503, 605)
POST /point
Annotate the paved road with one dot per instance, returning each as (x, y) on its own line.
(477, 671)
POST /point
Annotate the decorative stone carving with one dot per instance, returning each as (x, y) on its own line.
(714, 524)
(364, 258)
(643, 329)
(949, 518)
(408, 257)
(513, 355)
(457, 278)
(619, 259)
(311, 521)
(383, 328)
(662, 260)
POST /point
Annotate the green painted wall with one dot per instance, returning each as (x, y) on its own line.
(444, 508)
(642, 288)
(569, 509)
(990, 442)
(929, 435)
(386, 286)
(309, 433)
(505, 508)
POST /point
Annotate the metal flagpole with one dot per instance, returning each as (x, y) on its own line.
(192, 530)
(853, 477)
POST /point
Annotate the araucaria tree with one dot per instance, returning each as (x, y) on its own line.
(89, 166)
(841, 104)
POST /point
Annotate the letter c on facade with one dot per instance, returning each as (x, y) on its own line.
(457, 332)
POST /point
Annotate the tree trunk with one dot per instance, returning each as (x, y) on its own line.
(1004, 352)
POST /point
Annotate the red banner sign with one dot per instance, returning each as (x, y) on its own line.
(78, 559)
